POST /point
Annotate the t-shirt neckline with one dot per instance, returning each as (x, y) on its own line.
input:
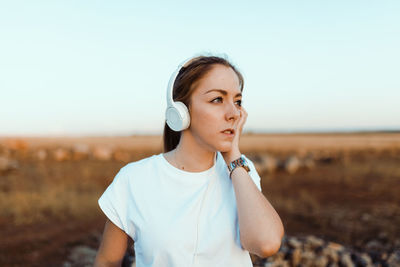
(205, 173)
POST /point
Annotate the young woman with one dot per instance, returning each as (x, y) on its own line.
(200, 202)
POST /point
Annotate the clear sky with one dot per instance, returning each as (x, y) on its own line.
(102, 67)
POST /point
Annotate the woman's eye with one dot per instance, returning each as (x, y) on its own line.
(218, 98)
(239, 102)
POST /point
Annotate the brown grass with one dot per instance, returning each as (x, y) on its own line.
(351, 200)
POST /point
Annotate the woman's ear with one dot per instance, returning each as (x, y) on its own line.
(189, 106)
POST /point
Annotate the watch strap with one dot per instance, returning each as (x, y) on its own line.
(240, 162)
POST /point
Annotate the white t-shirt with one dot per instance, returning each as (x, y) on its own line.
(178, 218)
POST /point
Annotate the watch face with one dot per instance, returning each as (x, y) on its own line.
(240, 162)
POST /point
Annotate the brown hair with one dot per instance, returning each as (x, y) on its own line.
(184, 86)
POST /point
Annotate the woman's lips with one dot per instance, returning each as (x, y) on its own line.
(228, 132)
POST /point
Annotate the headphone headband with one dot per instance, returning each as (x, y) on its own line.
(171, 82)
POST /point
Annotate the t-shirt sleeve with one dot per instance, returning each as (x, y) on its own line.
(114, 202)
(253, 173)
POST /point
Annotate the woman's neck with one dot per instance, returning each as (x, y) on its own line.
(191, 156)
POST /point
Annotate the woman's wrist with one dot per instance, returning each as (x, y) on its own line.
(231, 156)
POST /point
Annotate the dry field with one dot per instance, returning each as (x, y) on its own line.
(48, 199)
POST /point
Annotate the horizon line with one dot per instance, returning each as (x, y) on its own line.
(245, 132)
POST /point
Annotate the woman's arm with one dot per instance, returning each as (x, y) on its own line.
(261, 228)
(113, 246)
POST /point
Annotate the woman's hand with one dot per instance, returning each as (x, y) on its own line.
(235, 153)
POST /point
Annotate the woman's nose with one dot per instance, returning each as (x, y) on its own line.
(232, 112)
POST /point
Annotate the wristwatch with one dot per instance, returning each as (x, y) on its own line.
(240, 162)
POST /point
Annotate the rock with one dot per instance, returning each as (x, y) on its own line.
(345, 260)
(394, 258)
(375, 256)
(277, 259)
(270, 163)
(314, 251)
(279, 256)
(308, 163)
(374, 245)
(313, 242)
(294, 243)
(264, 163)
(83, 255)
(325, 157)
(307, 258)
(292, 164)
(367, 259)
(361, 259)
(335, 246)
(7, 164)
(61, 154)
(80, 151)
(278, 263)
(320, 261)
(102, 153)
(41, 154)
(330, 254)
(295, 257)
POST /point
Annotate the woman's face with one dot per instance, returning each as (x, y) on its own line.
(215, 106)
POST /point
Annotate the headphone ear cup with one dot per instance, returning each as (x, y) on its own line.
(178, 118)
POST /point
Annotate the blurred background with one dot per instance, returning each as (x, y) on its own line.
(83, 93)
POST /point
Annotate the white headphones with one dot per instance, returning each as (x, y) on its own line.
(177, 114)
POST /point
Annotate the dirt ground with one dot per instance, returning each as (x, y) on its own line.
(350, 196)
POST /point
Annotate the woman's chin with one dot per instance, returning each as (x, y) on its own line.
(225, 147)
